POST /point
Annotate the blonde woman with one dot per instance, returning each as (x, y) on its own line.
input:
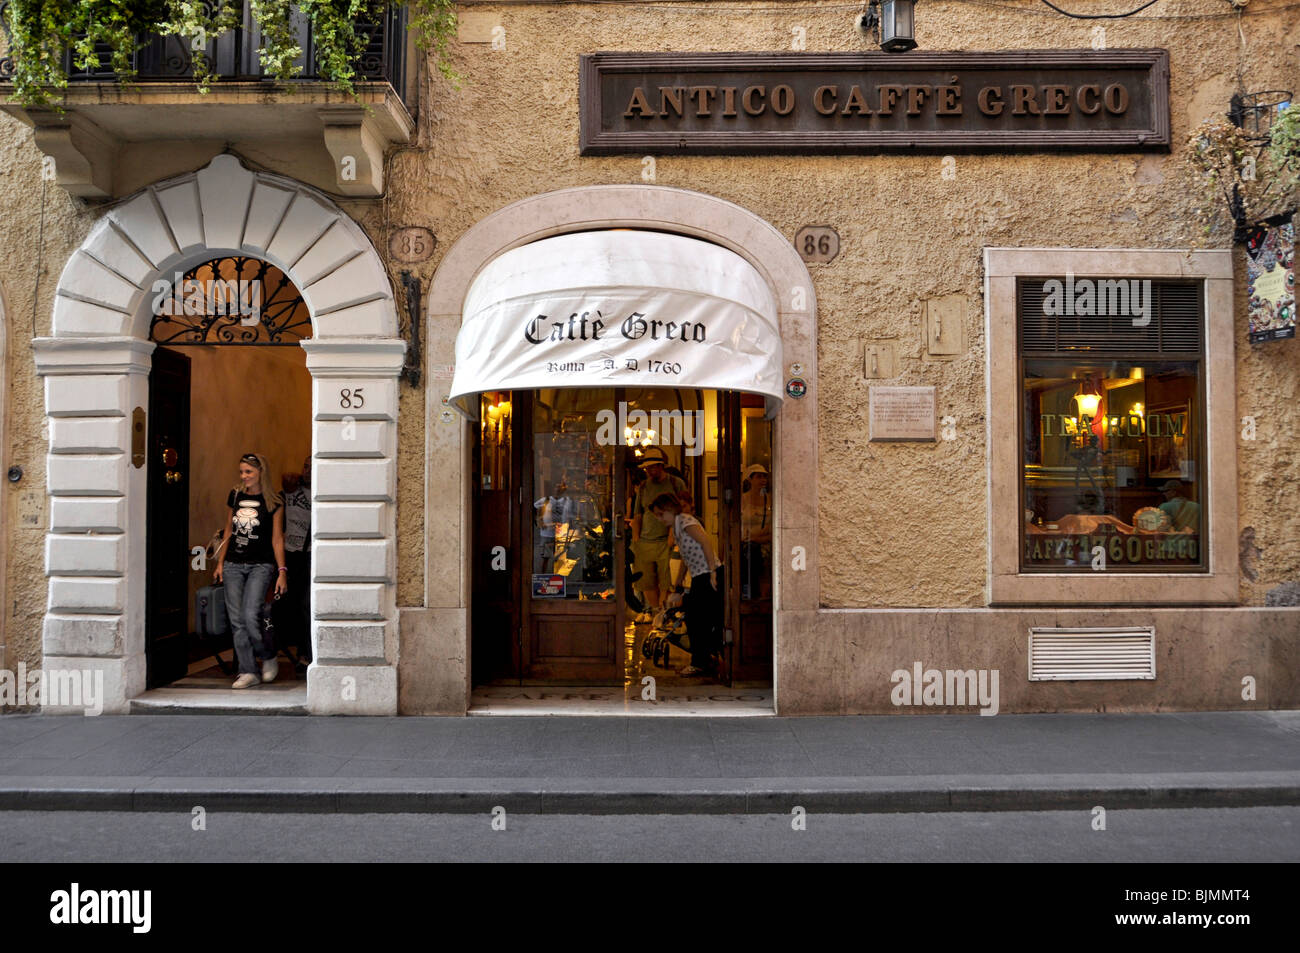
(254, 556)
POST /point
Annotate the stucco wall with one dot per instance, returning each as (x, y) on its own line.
(901, 526)
(33, 249)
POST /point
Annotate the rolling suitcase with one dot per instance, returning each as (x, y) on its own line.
(211, 623)
(210, 611)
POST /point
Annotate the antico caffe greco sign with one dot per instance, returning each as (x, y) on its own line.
(757, 103)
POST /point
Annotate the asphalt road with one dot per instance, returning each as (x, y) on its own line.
(1194, 835)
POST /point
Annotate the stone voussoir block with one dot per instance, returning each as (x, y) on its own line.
(87, 594)
(353, 438)
(89, 434)
(85, 395)
(82, 635)
(358, 398)
(354, 480)
(73, 514)
(352, 690)
(84, 554)
(338, 600)
(353, 561)
(350, 520)
(77, 475)
(350, 641)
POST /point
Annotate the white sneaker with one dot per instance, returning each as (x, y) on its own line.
(247, 680)
(270, 669)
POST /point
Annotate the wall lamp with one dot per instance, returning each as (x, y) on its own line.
(895, 20)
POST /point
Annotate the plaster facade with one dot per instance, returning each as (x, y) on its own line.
(901, 539)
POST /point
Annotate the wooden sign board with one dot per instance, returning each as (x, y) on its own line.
(944, 102)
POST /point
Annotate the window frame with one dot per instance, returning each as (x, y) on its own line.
(1007, 583)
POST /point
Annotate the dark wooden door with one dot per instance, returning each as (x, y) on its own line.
(495, 576)
(746, 516)
(571, 539)
(167, 519)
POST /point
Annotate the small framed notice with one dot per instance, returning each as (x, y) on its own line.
(901, 413)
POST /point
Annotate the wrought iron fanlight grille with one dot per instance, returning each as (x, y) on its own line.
(235, 300)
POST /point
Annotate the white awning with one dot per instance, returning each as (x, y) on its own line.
(618, 308)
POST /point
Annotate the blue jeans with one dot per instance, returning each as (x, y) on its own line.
(246, 585)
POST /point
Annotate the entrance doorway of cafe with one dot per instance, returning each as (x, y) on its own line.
(559, 587)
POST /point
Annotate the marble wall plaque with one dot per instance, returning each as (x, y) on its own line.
(901, 413)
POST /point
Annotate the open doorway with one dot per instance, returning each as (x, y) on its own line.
(574, 578)
(228, 380)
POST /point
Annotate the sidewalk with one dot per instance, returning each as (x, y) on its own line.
(579, 765)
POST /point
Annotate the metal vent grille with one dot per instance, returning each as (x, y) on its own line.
(1175, 320)
(1078, 654)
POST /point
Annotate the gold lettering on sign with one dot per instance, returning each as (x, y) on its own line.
(782, 100)
(1024, 101)
(638, 106)
(1116, 99)
(1085, 94)
(916, 96)
(1056, 100)
(889, 96)
(701, 95)
(857, 102)
(819, 99)
(990, 101)
(670, 96)
(948, 100)
(729, 102)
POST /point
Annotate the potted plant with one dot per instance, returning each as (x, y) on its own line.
(1245, 176)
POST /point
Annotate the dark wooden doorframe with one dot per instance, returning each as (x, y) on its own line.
(566, 640)
(503, 646)
(167, 552)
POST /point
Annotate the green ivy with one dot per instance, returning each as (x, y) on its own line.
(42, 31)
(1284, 140)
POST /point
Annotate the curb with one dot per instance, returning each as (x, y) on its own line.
(934, 794)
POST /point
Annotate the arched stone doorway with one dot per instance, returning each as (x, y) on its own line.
(435, 658)
(96, 366)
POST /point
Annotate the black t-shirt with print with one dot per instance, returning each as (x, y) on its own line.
(251, 539)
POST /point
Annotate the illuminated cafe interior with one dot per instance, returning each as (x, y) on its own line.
(1112, 459)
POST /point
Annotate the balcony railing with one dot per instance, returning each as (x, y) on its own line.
(233, 55)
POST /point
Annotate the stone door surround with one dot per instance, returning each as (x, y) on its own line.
(439, 633)
(95, 367)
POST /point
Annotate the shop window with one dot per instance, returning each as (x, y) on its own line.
(1111, 427)
(1112, 424)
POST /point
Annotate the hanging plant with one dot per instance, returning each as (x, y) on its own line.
(42, 32)
(1242, 180)
(334, 32)
(198, 24)
(279, 50)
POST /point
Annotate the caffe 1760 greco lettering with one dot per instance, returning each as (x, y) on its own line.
(591, 325)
